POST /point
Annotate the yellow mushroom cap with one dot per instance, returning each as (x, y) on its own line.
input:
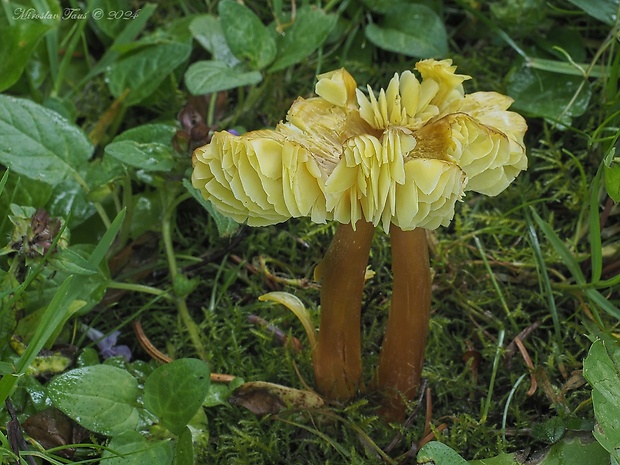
(405, 157)
(259, 178)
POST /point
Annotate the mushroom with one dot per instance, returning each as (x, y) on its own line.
(400, 161)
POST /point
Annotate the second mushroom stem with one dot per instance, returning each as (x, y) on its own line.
(337, 357)
(402, 352)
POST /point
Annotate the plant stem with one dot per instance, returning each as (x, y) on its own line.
(337, 357)
(402, 353)
(181, 303)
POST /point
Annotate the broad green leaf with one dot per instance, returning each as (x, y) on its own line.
(101, 398)
(146, 156)
(558, 97)
(69, 198)
(411, 29)
(71, 261)
(206, 77)
(225, 226)
(612, 182)
(207, 30)
(607, 430)
(603, 10)
(131, 448)
(19, 37)
(438, 453)
(38, 143)
(220, 392)
(248, 38)
(184, 450)
(144, 69)
(146, 214)
(147, 147)
(175, 391)
(21, 31)
(602, 370)
(309, 30)
(611, 172)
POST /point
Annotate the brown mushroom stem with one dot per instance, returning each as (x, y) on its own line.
(402, 353)
(337, 357)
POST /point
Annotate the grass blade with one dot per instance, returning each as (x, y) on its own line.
(565, 254)
(543, 277)
(596, 248)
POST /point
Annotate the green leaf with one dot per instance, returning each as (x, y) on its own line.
(225, 226)
(607, 430)
(143, 69)
(219, 393)
(310, 29)
(19, 38)
(611, 172)
(175, 391)
(70, 261)
(439, 454)
(206, 77)
(101, 398)
(207, 31)
(558, 97)
(146, 147)
(603, 10)
(131, 448)
(38, 143)
(411, 29)
(601, 368)
(184, 451)
(68, 197)
(146, 214)
(149, 156)
(248, 38)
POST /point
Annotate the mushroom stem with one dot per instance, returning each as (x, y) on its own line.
(337, 357)
(402, 352)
